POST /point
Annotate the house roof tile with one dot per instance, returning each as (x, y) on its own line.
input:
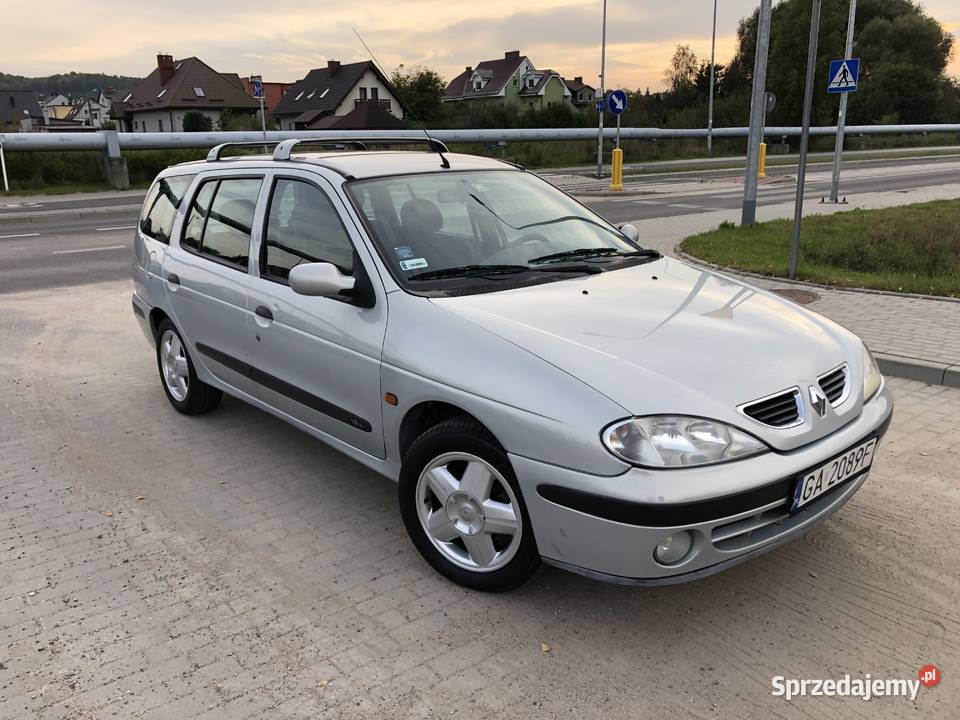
(178, 92)
(321, 92)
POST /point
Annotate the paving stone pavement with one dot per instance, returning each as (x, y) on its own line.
(228, 566)
(921, 331)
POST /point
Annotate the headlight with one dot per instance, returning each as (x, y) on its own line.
(669, 441)
(872, 379)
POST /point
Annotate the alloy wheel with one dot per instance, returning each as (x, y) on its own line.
(469, 512)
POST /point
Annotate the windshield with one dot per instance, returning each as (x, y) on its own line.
(454, 224)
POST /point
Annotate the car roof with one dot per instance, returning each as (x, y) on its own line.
(363, 164)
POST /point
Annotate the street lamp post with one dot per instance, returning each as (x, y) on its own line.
(757, 108)
(713, 61)
(603, 58)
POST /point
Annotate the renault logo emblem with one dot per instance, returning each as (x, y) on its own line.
(818, 401)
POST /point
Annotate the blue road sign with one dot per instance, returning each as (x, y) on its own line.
(257, 88)
(599, 106)
(843, 75)
(617, 101)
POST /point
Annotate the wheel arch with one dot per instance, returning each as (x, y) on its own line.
(157, 316)
(424, 415)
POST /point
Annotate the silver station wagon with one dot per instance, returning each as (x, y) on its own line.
(542, 387)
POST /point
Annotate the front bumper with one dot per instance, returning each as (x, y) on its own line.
(734, 511)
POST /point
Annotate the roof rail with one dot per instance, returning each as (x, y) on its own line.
(285, 148)
(216, 151)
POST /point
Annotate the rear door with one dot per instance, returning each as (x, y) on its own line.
(154, 229)
(207, 276)
(317, 358)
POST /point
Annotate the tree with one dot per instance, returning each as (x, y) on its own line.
(681, 74)
(421, 90)
(903, 53)
(196, 121)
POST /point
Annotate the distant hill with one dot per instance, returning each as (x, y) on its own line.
(73, 83)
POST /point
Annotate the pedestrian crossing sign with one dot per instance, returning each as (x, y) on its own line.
(844, 75)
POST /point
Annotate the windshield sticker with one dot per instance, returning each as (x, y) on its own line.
(414, 264)
(404, 252)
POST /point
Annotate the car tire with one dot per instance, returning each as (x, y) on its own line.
(184, 390)
(463, 510)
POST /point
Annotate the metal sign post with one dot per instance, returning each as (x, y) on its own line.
(3, 164)
(805, 135)
(603, 58)
(617, 103)
(842, 115)
(257, 81)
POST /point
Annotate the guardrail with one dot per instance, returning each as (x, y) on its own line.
(112, 143)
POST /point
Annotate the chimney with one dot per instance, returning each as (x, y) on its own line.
(579, 79)
(165, 63)
(512, 55)
(333, 66)
(469, 69)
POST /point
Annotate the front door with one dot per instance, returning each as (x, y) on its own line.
(207, 278)
(317, 359)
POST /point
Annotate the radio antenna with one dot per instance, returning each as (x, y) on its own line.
(444, 163)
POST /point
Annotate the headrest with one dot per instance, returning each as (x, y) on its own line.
(421, 216)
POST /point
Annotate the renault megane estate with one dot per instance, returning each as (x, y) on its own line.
(541, 386)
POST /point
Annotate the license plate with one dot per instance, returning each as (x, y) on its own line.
(825, 478)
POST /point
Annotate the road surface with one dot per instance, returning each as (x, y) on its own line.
(73, 246)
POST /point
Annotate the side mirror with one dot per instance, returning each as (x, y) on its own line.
(319, 279)
(630, 232)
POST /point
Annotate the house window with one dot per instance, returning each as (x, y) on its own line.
(530, 82)
(478, 84)
(161, 93)
(324, 93)
(374, 93)
(299, 95)
(198, 92)
(160, 124)
(514, 80)
(363, 93)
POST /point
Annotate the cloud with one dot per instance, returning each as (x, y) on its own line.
(283, 39)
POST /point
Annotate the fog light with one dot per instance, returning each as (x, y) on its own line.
(674, 548)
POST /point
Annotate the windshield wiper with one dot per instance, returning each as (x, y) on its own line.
(469, 271)
(583, 253)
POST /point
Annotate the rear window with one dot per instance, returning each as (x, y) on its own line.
(160, 207)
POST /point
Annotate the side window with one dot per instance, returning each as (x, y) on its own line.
(160, 207)
(303, 227)
(199, 210)
(221, 220)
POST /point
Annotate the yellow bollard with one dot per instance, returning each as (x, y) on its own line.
(762, 167)
(616, 176)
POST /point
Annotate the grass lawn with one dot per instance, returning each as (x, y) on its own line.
(912, 248)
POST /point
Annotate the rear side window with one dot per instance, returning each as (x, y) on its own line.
(160, 207)
(220, 221)
(303, 227)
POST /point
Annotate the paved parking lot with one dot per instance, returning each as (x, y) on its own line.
(229, 566)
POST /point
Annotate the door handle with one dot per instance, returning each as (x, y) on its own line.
(264, 312)
(173, 278)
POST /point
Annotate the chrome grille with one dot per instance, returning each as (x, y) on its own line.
(835, 385)
(780, 410)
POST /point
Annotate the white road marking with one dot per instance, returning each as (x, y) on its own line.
(10, 237)
(86, 250)
(125, 227)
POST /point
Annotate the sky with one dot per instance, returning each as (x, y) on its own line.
(282, 39)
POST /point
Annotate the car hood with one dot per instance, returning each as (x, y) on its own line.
(667, 337)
